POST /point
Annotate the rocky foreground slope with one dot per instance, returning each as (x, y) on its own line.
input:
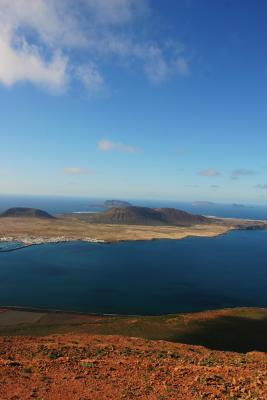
(66, 356)
(85, 367)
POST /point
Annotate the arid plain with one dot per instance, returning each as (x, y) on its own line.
(70, 228)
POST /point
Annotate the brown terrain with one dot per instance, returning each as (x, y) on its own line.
(133, 215)
(83, 358)
(75, 228)
(115, 224)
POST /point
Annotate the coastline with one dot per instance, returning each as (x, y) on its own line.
(20, 247)
(45, 310)
(32, 241)
(25, 242)
(28, 242)
(32, 231)
(68, 228)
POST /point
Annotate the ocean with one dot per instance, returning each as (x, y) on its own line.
(146, 277)
(58, 205)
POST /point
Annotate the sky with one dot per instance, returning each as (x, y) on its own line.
(134, 99)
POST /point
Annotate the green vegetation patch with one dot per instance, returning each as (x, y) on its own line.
(241, 329)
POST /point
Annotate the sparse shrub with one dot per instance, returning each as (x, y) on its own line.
(87, 364)
(27, 370)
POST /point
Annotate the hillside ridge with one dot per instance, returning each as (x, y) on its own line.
(136, 215)
(26, 213)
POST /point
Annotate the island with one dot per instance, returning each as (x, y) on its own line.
(116, 203)
(24, 212)
(113, 225)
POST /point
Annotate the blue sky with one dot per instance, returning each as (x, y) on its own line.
(134, 98)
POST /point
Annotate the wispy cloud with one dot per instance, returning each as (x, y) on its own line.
(262, 186)
(108, 145)
(239, 172)
(26, 64)
(117, 12)
(77, 171)
(209, 172)
(39, 40)
(214, 186)
(158, 67)
(91, 77)
(23, 59)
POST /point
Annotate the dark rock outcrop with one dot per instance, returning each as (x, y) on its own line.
(26, 213)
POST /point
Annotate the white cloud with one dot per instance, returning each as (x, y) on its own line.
(90, 77)
(209, 172)
(107, 145)
(261, 186)
(214, 186)
(158, 66)
(26, 64)
(77, 171)
(191, 186)
(24, 60)
(237, 173)
(39, 40)
(54, 21)
(116, 11)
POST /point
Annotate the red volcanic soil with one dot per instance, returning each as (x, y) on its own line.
(96, 367)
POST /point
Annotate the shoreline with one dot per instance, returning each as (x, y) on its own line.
(100, 315)
(15, 248)
(24, 246)
(29, 242)
(33, 231)
(34, 241)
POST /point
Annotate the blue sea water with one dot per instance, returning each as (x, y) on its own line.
(154, 277)
(58, 205)
(9, 246)
(53, 205)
